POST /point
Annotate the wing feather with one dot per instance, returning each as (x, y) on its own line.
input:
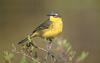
(43, 26)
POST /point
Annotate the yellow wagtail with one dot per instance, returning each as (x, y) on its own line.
(48, 29)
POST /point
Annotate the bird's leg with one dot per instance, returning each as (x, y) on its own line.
(50, 53)
(48, 46)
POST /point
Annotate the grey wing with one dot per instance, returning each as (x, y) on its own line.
(42, 26)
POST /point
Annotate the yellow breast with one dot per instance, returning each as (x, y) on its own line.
(54, 29)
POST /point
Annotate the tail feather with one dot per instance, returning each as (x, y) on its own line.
(22, 41)
(26, 39)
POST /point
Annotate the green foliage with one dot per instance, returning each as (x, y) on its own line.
(8, 56)
(82, 56)
(71, 54)
(35, 61)
(29, 38)
(63, 48)
(23, 60)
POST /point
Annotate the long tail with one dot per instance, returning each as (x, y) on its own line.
(22, 41)
(26, 39)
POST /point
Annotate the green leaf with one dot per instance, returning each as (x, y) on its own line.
(29, 38)
(67, 46)
(82, 56)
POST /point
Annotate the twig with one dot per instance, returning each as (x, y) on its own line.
(48, 53)
(30, 57)
(22, 53)
(42, 49)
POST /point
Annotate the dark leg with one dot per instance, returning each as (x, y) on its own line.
(49, 44)
(50, 52)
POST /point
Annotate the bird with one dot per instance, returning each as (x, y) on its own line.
(48, 30)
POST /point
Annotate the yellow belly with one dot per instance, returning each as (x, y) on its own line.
(54, 30)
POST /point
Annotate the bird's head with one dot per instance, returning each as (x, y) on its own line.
(54, 16)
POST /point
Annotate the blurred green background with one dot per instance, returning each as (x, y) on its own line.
(81, 22)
